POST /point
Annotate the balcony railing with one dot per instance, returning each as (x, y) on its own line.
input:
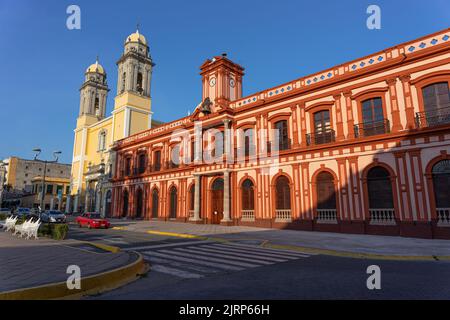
(382, 217)
(248, 215)
(433, 118)
(283, 215)
(372, 128)
(322, 137)
(327, 216)
(443, 215)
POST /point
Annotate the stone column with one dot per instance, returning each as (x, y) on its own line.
(75, 204)
(227, 141)
(68, 199)
(196, 199)
(226, 197)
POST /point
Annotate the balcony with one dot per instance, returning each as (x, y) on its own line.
(323, 137)
(282, 146)
(327, 216)
(372, 128)
(382, 217)
(443, 215)
(433, 118)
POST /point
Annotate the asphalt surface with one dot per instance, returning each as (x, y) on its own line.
(199, 269)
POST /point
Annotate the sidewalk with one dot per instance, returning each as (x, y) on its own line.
(34, 263)
(338, 242)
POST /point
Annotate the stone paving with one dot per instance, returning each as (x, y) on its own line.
(29, 263)
(369, 244)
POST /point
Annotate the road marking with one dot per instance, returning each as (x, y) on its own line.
(262, 252)
(208, 258)
(173, 234)
(241, 254)
(227, 256)
(183, 266)
(168, 245)
(195, 261)
(176, 272)
(288, 252)
(114, 240)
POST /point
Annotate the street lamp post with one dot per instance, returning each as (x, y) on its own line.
(45, 162)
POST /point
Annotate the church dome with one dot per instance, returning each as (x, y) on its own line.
(136, 37)
(96, 67)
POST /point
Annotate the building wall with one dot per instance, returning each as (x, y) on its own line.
(405, 149)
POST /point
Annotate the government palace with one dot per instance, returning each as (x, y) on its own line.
(362, 147)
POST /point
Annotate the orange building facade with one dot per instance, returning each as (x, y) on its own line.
(363, 147)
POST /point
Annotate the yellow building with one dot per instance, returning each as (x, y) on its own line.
(95, 134)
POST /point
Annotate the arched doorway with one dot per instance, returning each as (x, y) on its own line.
(155, 203)
(217, 201)
(125, 204)
(441, 190)
(139, 203)
(248, 200)
(326, 198)
(108, 204)
(381, 199)
(173, 197)
(191, 201)
(282, 199)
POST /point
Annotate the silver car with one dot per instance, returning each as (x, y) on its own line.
(53, 216)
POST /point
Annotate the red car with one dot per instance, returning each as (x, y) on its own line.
(92, 220)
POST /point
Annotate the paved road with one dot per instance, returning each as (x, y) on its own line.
(199, 269)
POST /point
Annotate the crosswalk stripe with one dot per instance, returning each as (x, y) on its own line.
(176, 251)
(183, 266)
(288, 252)
(176, 272)
(170, 256)
(261, 252)
(224, 255)
(168, 245)
(242, 254)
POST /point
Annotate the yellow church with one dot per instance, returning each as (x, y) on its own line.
(95, 134)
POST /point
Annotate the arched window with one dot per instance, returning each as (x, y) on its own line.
(373, 118)
(124, 77)
(142, 159)
(326, 196)
(127, 165)
(381, 199)
(218, 146)
(283, 135)
(173, 203)
(441, 184)
(97, 106)
(248, 195)
(108, 204)
(102, 140)
(249, 143)
(125, 204)
(139, 203)
(436, 100)
(283, 193)
(155, 203)
(175, 157)
(191, 200)
(139, 83)
(157, 161)
(322, 128)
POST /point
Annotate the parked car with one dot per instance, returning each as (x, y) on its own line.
(53, 216)
(92, 220)
(22, 212)
(5, 211)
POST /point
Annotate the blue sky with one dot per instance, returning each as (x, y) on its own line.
(42, 62)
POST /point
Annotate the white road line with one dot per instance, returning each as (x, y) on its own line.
(209, 258)
(114, 240)
(289, 252)
(175, 272)
(226, 255)
(183, 266)
(167, 245)
(241, 254)
(260, 251)
(194, 261)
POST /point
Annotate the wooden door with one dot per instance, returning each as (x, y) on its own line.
(217, 201)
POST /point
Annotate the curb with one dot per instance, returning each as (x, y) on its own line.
(105, 247)
(347, 254)
(91, 285)
(328, 252)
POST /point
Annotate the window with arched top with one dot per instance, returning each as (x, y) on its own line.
(326, 195)
(173, 196)
(142, 161)
(283, 134)
(139, 203)
(127, 165)
(155, 203)
(102, 140)
(436, 103)
(124, 77)
(249, 143)
(441, 184)
(248, 195)
(125, 200)
(139, 86)
(373, 118)
(192, 198)
(282, 194)
(381, 198)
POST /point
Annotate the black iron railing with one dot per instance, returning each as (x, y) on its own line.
(327, 136)
(372, 128)
(433, 118)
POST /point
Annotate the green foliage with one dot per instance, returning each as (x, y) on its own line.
(56, 231)
(3, 216)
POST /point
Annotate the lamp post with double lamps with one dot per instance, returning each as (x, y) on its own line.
(45, 162)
